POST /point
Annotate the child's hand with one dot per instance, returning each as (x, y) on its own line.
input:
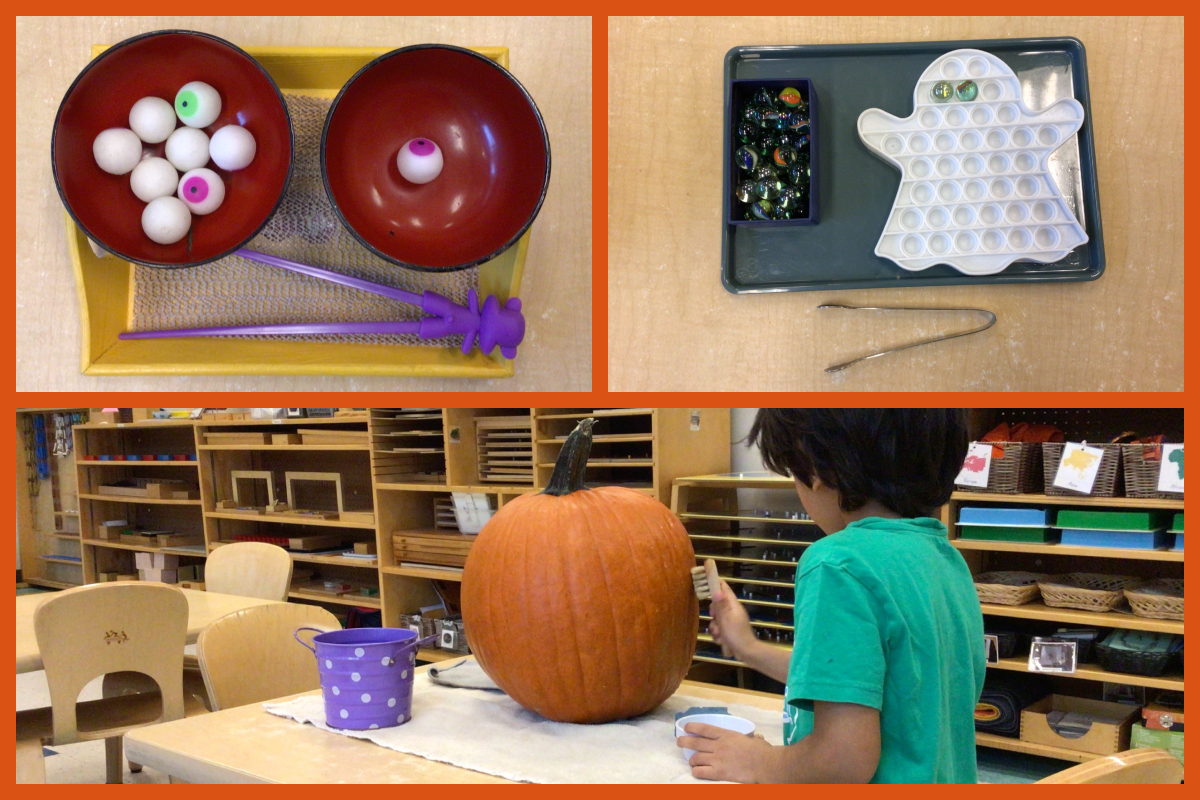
(730, 626)
(723, 755)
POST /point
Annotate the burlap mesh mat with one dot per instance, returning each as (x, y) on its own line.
(236, 291)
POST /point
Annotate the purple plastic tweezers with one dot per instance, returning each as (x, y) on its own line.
(493, 324)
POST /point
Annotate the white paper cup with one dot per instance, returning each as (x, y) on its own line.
(726, 721)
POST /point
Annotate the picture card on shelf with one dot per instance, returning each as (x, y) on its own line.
(1170, 475)
(1078, 468)
(976, 466)
(1052, 656)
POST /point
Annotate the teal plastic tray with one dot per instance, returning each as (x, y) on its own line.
(857, 188)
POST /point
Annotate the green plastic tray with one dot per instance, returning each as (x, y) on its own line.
(1112, 520)
(991, 533)
(857, 188)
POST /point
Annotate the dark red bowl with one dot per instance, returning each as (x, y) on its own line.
(494, 145)
(157, 64)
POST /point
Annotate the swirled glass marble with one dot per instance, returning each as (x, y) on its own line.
(746, 157)
(784, 155)
(942, 92)
(763, 209)
(966, 91)
(745, 192)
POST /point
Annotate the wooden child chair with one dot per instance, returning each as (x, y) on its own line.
(1143, 765)
(249, 569)
(94, 630)
(250, 656)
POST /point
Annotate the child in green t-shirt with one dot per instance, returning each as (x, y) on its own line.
(888, 660)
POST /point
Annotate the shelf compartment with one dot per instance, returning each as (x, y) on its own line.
(739, 560)
(1068, 550)
(1108, 619)
(748, 540)
(1017, 746)
(432, 654)
(779, 626)
(601, 413)
(425, 572)
(341, 600)
(734, 518)
(279, 519)
(704, 637)
(136, 463)
(1095, 673)
(1062, 500)
(137, 501)
(59, 560)
(363, 447)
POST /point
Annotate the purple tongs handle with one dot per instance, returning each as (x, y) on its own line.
(494, 324)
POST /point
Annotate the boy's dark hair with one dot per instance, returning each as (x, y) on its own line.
(905, 458)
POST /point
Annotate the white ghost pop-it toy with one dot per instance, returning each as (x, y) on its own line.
(975, 192)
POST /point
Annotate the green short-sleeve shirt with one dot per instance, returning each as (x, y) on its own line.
(887, 617)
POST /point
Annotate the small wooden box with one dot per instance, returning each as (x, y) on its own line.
(1108, 734)
(237, 437)
(106, 285)
(196, 585)
(426, 546)
(364, 548)
(286, 438)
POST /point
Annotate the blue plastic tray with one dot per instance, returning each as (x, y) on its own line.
(857, 189)
(1128, 540)
(1026, 517)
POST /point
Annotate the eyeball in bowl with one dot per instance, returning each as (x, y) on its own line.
(187, 149)
(197, 104)
(153, 178)
(152, 119)
(419, 160)
(158, 64)
(202, 190)
(117, 150)
(166, 220)
(232, 148)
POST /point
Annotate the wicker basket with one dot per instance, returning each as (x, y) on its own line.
(1142, 463)
(1017, 471)
(1158, 599)
(1087, 591)
(1009, 588)
(1106, 484)
(1137, 662)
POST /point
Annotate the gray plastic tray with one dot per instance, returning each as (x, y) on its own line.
(857, 188)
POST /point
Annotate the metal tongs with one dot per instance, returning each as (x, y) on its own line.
(493, 324)
(991, 320)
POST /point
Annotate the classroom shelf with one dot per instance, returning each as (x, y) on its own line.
(758, 624)
(434, 655)
(1058, 500)
(363, 447)
(759, 582)
(605, 463)
(694, 515)
(1108, 619)
(432, 573)
(137, 463)
(137, 501)
(704, 637)
(361, 563)
(606, 412)
(141, 548)
(738, 560)
(1095, 673)
(747, 540)
(606, 437)
(66, 513)
(1068, 550)
(283, 519)
(64, 535)
(57, 560)
(358, 601)
(1017, 746)
(50, 584)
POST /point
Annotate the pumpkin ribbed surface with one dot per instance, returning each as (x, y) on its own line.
(581, 606)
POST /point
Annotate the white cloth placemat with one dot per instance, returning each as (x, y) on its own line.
(488, 732)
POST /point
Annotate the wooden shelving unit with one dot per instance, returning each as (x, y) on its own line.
(47, 508)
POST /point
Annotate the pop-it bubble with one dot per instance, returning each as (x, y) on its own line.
(975, 192)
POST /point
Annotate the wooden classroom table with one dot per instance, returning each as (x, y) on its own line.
(551, 56)
(203, 609)
(672, 326)
(249, 745)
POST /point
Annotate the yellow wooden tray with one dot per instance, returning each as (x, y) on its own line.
(105, 285)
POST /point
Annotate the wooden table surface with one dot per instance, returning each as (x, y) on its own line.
(672, 326)
(552, 57)
(203, 609)
(249, 745)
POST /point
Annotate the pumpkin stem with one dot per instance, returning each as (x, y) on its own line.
(572, 461)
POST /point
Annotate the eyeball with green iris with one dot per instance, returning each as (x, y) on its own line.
(197, 104)
(202, 191)
(746, 157)
(419, 160)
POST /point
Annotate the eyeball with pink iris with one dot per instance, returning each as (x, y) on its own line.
(201, 190)
(419, 160)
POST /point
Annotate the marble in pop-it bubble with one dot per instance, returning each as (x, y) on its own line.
(975, 191)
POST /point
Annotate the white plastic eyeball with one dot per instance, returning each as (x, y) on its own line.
(419, 160)
(117, 150)
(152, 119)
(232, 147)
(153, 178)
(197, 104)
(202, 190)
(187, 148)
(166, 220)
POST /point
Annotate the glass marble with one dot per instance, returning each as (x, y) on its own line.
(799, 173)
(746, 157)
(786, 137)
(802, 155)
(800, 141)
(765, 171)
(745, 192)
(790, 97)
(773, 120)
(966, 91)
(763, 209)
(764, 97)
(798, 120)
(784, 155)
(746, 131)
(782, 213)
(768, 142)
(788, 198)
(752, 114)
(942, 92)
(767, 189)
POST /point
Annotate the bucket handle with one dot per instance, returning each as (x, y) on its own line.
(417, 643)
(296, 636)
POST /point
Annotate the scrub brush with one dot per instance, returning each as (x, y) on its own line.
(705, 579)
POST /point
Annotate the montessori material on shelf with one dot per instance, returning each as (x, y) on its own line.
(1005, 524)
(505, 449)
(1139, 652)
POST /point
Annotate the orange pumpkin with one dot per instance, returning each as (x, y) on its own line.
(579, 602)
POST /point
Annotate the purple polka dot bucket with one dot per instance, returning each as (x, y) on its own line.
(366, 675)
